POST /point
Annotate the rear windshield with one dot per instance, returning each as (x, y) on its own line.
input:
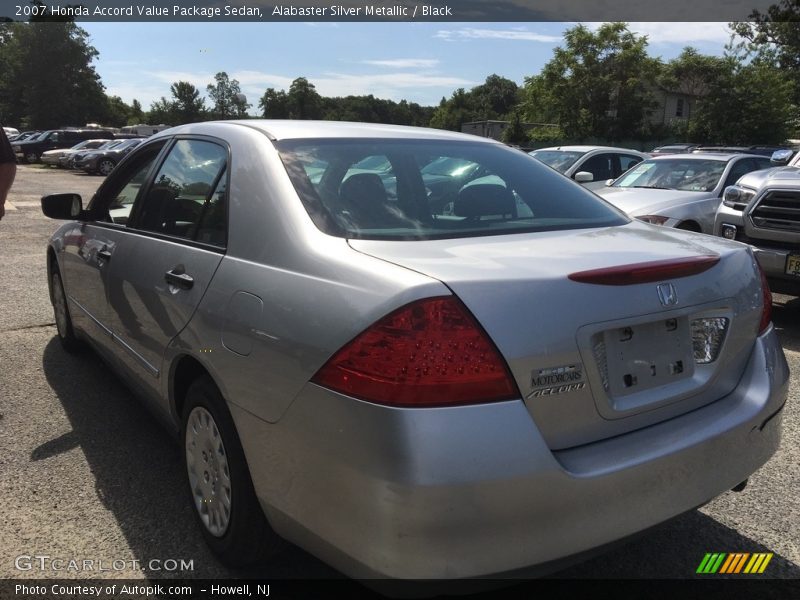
(424, 189)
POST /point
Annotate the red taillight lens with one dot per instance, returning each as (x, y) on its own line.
(646, 272)
(766, 294)
(429, 353)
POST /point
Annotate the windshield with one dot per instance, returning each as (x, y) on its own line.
(434, 189)
(560, 160)
(674, 174)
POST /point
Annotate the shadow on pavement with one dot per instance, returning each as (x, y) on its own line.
(137, 469)
(786, 318)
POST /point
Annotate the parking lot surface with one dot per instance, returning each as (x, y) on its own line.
(89, 474)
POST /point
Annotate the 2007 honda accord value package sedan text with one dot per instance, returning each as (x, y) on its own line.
(414, 353)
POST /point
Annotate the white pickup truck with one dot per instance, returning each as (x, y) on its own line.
(763, 210)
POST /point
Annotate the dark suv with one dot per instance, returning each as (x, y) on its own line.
(31, 149)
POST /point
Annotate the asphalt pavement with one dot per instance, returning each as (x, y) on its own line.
(87, 473)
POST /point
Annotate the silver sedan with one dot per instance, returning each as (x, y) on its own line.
(682, 190)
(414, 353)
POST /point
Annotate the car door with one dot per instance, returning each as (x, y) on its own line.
(89, 246)
(601, 166)
(172, 243)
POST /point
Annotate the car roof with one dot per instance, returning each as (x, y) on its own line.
(579, 148)
(297, 129)
(720, 156)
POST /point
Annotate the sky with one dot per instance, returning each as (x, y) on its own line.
(419, 62)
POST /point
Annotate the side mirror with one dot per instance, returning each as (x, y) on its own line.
(781, 157)
(62, 206)
(583, 177)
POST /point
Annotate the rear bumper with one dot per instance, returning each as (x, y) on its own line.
(773, 261)
(475, 491)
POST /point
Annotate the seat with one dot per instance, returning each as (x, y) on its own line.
(363, 196)
(485, 200)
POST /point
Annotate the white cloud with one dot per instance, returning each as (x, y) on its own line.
(685, 34)
(513, 34)
(404, 63)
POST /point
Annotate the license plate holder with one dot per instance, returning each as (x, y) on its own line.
(648, 355)
(792, 265)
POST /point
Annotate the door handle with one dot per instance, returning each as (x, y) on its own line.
(104, 254)
(179, 279)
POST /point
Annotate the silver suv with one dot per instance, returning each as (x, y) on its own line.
(763, 210)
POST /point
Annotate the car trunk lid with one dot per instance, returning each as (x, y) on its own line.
(593, 360)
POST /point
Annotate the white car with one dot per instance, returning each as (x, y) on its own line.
(679, 190)
(590, 165)
(61, 156)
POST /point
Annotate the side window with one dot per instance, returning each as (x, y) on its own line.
(600, 166)
(739, 168)
(626, 161)
(213, 228)
(185, 198)
(116, 198)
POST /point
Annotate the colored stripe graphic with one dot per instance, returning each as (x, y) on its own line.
(734, 563)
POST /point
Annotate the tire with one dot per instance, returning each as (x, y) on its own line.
(689, 226)
(31, 157)
(66, 334)
(226, 507)
(105, 166)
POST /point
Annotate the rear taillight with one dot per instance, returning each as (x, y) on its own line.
(646, 272)
(766, 296)
(428, 353)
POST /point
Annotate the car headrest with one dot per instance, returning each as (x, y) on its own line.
(484, 200)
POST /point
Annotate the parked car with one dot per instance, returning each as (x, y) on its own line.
(589, 165)
(61, 158)
(674, 149)
(78, 156)
(404, 391)
(760, 150)
(30, 150)
(680, 191)
(763, 210)
(10, 132)
(25, 135)
(102, 161)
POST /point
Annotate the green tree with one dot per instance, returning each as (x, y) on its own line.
(225, 95)
(598, 85)
(515, 133)
(48, 79)
(274, 104)
(751, 103)
(303, 100)
(496, 98)
(117, 112)
(773, 38)
(162, 111)
(187, 104)
(137, 114)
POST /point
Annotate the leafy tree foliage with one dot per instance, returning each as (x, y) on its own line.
(774, 38)
(48, 80)
(226, 97)
(187, 103)
(274, 104)
(599, 84)
(496, 98)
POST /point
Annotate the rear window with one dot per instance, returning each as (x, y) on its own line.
(423, 189)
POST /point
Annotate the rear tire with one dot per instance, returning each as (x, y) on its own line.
(105, 166)
(66, 334)
(31, 157)
(218, 481)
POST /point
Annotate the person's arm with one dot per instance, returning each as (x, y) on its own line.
(7, 173)
(8, 170)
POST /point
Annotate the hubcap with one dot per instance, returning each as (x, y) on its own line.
(207, 467)
(106, 167)
(59, 306)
